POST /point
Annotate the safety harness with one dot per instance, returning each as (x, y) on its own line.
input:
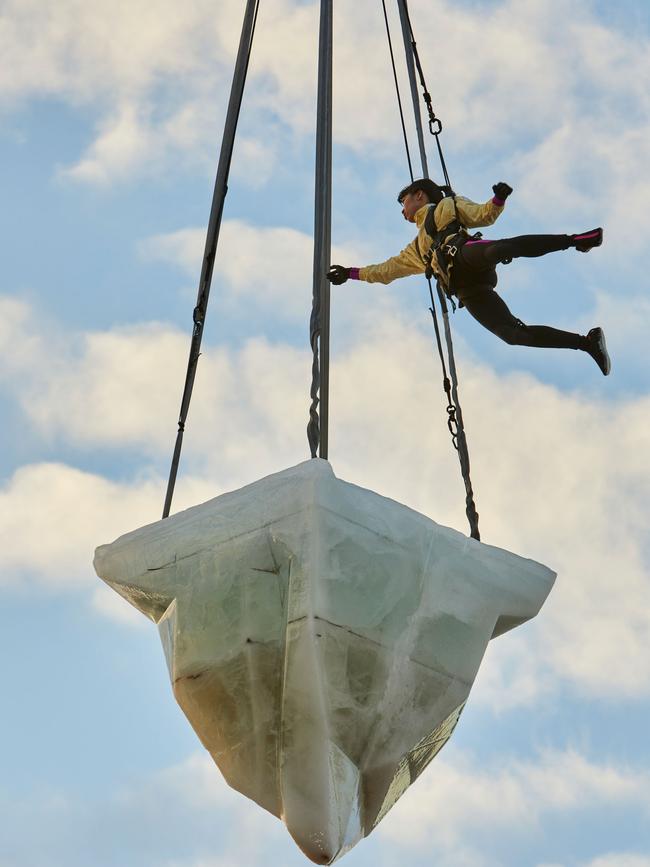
(445, 244)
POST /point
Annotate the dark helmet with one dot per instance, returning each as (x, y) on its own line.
(431, 190)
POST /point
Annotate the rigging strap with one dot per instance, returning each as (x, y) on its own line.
(212, 236)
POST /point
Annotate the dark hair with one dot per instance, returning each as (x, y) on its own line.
(431, 190)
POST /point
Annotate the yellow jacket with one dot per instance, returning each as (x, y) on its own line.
(410, 260)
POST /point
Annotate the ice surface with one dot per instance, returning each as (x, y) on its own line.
(321, 639)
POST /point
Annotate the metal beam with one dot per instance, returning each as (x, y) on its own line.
(318, 427)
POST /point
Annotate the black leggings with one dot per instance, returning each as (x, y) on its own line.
(474, 279)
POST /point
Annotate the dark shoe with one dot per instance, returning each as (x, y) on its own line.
(586, 240)
(597, 348)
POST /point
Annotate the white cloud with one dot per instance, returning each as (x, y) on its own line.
(205, 862)
(122, 388)
(269, 267)
(186, 816)
(19, 343)
(123, 141)
(620, 859)
(451, 812)
(243, 833)
(613, 859)
(140, 67)
(253, 261)
(590, 177)
(108, 604)
(61, 382)
(53, 516)
(566, 486)
(196, 782)
(509, 72)
(628, 325)
(516, 796)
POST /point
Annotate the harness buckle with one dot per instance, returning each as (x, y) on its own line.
(451, 250)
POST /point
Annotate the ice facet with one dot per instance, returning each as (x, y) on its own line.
(321, 639)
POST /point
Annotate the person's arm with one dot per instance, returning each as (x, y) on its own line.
(473, 215)
(405, 263)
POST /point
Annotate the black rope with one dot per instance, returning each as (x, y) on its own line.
(212, 235)
(451, 409)
(455, 422)
(397, 91)
(446, 382)
(450, 382)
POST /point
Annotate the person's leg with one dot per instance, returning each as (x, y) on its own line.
(479, 255)
(488, 308)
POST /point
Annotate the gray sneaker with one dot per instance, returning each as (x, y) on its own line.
(598, 350)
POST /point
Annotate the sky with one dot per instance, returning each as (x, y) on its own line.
(111, 119)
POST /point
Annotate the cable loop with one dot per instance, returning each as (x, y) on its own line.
(452, 424)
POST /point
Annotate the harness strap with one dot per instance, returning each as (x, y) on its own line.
(454, 230)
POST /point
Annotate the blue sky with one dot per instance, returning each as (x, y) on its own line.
(111, 116)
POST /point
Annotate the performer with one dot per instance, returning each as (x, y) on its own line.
(466, 266)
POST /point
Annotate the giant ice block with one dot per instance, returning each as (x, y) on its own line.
(321, 639)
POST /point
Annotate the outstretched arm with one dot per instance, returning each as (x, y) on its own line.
(405, 263)
(473, 215)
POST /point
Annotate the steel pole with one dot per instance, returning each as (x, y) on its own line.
(318, 428)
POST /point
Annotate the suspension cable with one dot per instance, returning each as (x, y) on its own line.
(450, 382)
(212, 235)
(435, 124)
(406, 37)
(397, 91)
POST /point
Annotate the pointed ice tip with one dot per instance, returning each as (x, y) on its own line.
(144, 595)
(152, 605)
(315, 850)
(321, 858)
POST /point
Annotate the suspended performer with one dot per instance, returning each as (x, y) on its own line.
(465, 265)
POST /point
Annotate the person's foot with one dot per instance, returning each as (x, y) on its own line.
(586, 240)
(597, 348)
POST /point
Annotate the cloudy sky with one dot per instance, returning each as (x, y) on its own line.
(111, 116)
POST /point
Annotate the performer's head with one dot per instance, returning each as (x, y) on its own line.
(418, 193)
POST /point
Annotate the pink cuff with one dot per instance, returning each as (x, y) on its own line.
(498, 202)
(354, 273)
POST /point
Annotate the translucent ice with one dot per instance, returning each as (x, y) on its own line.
(321, 639)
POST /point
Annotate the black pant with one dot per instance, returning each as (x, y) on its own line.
(474, 278)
